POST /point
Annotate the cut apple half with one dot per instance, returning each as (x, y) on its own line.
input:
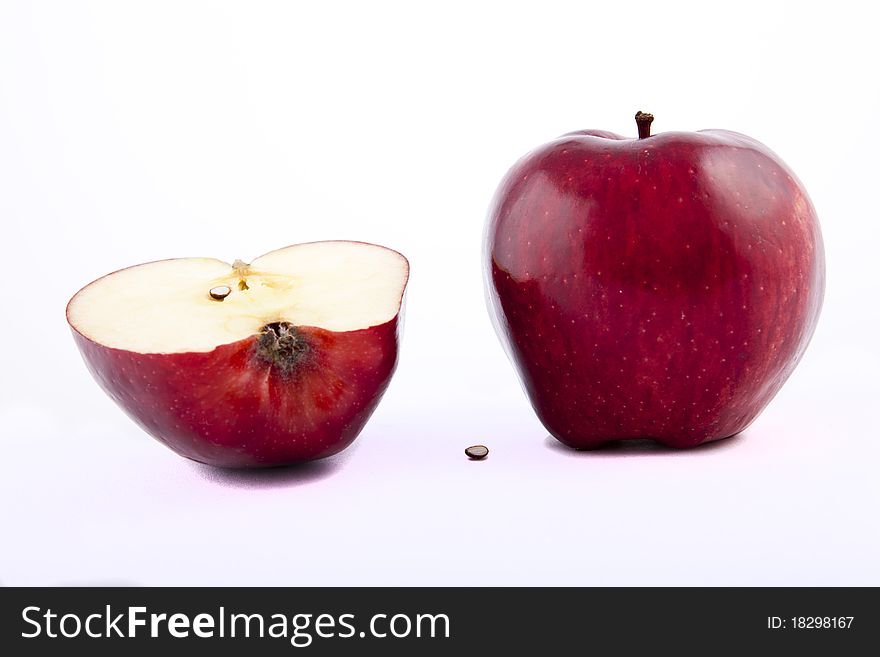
(168, 306)
(274, 361)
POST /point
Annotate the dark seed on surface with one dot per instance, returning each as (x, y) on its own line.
(477, 452)
(220, 293)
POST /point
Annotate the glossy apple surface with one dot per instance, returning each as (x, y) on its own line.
(662, 287)
(287, 367)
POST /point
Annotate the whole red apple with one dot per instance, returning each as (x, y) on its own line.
(663, 287)
(269, 363)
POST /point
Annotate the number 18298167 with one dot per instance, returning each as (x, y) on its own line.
(810, 622)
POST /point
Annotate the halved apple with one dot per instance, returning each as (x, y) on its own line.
(274, 362)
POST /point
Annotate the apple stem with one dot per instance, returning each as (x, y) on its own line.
(643, 120)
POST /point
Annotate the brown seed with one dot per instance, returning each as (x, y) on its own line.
(219, 293)
(477, 452)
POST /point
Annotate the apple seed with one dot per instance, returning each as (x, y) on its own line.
(220, 292)
(477, 452)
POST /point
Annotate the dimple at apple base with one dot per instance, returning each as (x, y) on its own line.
(663, 287)
(272, 362)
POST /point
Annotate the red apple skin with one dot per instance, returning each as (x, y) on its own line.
(660, 288)
(228, 408)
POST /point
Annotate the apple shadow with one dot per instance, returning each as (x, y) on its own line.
(280, 477)
(642, 447)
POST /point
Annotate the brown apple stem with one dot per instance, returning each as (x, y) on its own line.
(643, 120)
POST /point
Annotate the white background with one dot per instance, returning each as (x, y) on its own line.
(134, 131)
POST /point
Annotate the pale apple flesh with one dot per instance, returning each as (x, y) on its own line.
(278, 361)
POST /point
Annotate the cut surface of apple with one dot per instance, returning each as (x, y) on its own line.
(266, 363)
(167, 307)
